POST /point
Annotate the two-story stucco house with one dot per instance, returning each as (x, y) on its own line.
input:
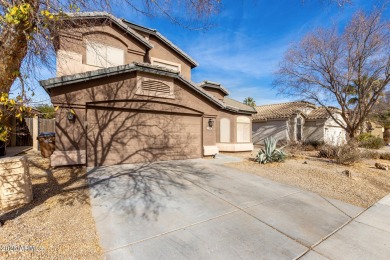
(125, 95)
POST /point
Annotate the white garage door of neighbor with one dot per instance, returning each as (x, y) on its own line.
(334, 135)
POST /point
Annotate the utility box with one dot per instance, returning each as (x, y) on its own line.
(15, 183)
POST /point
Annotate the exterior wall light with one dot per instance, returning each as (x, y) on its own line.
(71, 117)
(211, 123)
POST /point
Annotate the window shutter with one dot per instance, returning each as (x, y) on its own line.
(225, 130)
(115, 56)
(104, 56)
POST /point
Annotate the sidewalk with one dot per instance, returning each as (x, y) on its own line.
(366, 236)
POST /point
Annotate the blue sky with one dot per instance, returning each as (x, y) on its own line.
(243, 48)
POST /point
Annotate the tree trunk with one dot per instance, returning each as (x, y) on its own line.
(13, 49)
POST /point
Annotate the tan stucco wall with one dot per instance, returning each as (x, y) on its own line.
(215, 92)
(275, 128)
(71, 136)
(71, 51)
(161, 51)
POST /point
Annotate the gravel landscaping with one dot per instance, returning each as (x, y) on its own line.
(366, 186)
(58, 224)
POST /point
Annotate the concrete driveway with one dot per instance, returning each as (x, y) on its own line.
(200, 209)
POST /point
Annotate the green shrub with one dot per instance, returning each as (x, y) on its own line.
(270, 153)
(364, 137)
(369, 141)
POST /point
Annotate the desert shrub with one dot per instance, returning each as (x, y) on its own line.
(384, 156)
(327, 151)
(315, 144)
(347, 154)
(369, 141)
(270, 153)
(370, 154)
(344, 154)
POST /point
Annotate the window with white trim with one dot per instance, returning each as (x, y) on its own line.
(104, 56)
(224, 130)
(166, 64)
(243, 129)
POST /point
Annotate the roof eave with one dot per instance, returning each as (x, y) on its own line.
(117, 21)
(165, 40)
(96, 74)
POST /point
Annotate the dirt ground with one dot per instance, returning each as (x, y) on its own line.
(58, 223)
(366, 186)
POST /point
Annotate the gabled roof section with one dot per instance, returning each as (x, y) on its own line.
(215, 85)
(321, 113)
(115, 20)
(112, 71)
(282, 110)
(238, 105)
(163, 39)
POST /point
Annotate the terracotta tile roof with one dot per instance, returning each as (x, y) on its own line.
(321, 113)
(282, 110)
(236, 104)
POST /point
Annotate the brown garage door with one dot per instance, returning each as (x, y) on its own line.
(117, 137)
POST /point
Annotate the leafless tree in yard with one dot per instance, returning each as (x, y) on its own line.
(351, 68)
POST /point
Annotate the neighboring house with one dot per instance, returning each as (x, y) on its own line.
(125, 96)
(295, 122)
(373, 128)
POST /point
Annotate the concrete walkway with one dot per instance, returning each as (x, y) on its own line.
(366, 236)
(200, 209)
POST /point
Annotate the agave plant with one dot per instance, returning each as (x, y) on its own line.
(270, 153)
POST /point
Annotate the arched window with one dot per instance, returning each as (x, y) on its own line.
(224, 130)
(243, 129)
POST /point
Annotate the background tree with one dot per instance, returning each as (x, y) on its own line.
(250, 101)
(351, 69)
(46, 111)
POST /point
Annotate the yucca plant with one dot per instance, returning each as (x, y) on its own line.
(270, 153)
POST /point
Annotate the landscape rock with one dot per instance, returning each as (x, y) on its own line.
(347, 173)
(381, 166)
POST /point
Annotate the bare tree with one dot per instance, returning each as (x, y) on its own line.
(351, 69)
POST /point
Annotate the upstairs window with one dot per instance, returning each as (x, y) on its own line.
(166, 64)
(104, 56)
